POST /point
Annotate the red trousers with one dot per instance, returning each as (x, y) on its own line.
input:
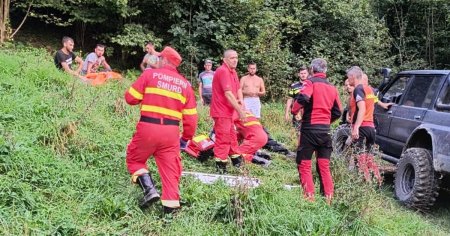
(161, 142)
(306, 178)
(226, 141)
(254, 138)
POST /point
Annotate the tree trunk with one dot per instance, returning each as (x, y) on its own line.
(4, 19)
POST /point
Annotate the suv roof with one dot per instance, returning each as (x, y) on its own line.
(425, 72)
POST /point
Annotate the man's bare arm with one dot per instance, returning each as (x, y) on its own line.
(262, 88)
(200, 91)
(384, 105)
(89, 67)
(80, 64)
(67, 69)
(106, 65)
(287, 111)
(240, 97)
(230, 97)
(359, 118)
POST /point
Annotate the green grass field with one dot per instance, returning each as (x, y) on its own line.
(62, 172)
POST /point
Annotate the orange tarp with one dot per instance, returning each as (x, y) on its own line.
(101, 77)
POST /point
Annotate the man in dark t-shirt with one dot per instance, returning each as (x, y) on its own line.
(294, 91)
(362, 106)
(64, 58)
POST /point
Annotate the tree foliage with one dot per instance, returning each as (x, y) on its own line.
(278, 35)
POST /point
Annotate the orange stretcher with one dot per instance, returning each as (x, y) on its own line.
(100, 78)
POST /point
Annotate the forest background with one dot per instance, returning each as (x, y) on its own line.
(278, 35)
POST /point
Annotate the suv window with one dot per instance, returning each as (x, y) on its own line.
(446, 97)
(443, 102)
(422, 91)
(396, 90)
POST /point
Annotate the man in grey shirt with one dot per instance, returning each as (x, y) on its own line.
(94, 60)
(151, 59)
(205, 83)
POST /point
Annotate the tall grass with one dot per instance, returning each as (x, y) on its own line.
(62, 171)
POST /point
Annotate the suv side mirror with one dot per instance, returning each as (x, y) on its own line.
(441, 106)
(385, 72)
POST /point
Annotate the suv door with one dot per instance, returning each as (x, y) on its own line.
(393, 92)
(412, 109)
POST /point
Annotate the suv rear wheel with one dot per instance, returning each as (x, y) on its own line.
(416, 184)
(340, 135)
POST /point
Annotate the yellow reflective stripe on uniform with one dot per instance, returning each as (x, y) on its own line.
(252, 123)
(371, 96)
(138, 173)
(199, 138)
(166, 93)
(192, 111)
(171, 203)
(135, 93)
(162, 110)
(220, 160)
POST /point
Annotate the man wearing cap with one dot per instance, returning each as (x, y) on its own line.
(205, 83)
(226, 100)
(165, 99)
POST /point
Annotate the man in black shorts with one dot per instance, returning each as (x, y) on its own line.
(362, 106)
(65, 57)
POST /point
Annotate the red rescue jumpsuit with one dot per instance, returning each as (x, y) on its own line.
(253, 134)
(225, 79)
(166, 97)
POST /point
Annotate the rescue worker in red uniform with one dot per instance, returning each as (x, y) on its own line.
(254, 138)
(362, 105)
(321, 104)
(165, 99)
(226, 100)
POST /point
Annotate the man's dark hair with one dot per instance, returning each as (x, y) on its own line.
(99, 45)
(251, 63)
(66, 39)
(149, 43)
(303, 67)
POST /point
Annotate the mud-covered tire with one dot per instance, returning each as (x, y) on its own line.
(416, 184)
(340, 135)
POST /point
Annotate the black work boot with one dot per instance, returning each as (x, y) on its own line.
(151, 195)
(170, 210)
(261, 161)
(263, 154)
(236, 161)
(221, 167)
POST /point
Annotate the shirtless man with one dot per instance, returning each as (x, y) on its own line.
(252, 88)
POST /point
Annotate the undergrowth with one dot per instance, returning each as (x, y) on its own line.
(62, 171)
